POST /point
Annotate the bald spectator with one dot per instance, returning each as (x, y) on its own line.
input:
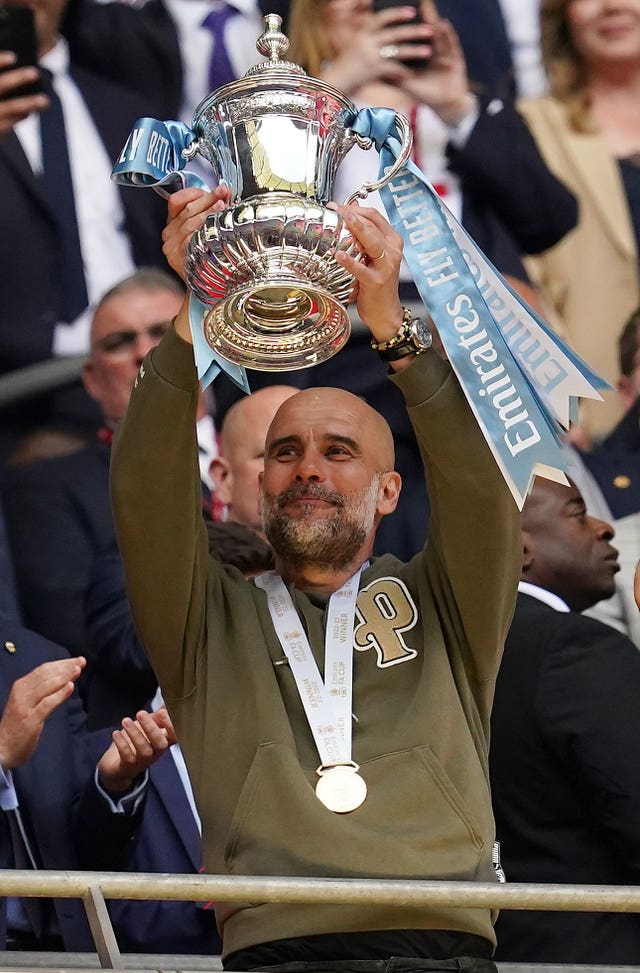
(235, 470)
(119, 676)
(565, 777)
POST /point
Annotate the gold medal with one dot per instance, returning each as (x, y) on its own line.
(341, 788)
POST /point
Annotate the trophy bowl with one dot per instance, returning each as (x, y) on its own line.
(265, 266)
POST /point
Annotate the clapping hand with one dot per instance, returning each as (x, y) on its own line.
(135, 748)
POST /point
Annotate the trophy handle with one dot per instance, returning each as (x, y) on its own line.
(407, 143)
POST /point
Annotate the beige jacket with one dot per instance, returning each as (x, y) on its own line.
(590, 279)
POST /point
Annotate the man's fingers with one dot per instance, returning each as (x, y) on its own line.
(163, 720)
(47, 679)
(46, 706)
(155, 731)
(177, 201)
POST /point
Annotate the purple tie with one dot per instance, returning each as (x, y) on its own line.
(220, 70)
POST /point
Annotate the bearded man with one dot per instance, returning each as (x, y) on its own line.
(333, 713)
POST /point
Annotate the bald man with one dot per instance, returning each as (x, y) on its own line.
(235, 471)
(333, 713)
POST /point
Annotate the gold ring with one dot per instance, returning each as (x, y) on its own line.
(379, 257)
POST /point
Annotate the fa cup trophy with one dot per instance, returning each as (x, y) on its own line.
(266, 264)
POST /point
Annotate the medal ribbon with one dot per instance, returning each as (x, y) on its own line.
(327, 703)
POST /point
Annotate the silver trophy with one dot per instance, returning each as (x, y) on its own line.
(266, 264)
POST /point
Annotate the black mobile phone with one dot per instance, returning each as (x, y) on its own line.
(18, 34)
(416, 63)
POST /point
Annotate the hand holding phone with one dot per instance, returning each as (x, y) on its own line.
(20, 79)
(18, 36)
(418, 63)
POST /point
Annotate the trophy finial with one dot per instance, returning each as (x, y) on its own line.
(273, 43)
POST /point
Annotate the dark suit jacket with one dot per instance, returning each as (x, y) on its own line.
(120, 680)
(483, 36)
(512, 203)
(565, 778)
(615, 464)
(58, 518)
(168, 841)
(61, 768)
(28, 236)
(135, 47)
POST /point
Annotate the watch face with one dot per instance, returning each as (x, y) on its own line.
(420, 333)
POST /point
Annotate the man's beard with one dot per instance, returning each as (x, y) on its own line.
(332, 540)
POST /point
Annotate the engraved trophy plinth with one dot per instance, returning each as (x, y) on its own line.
(266, 264)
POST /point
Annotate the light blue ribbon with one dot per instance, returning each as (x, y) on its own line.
(520, 379)
(152, 157)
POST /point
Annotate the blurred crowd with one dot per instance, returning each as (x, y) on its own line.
(526, 119)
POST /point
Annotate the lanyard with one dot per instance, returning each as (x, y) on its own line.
(327, 703)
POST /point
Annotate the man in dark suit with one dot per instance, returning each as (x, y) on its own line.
(168, 841)
(140, 47)
(55, 262)
(615, 462)
(564, 764)
(56, 812)
(58, 512)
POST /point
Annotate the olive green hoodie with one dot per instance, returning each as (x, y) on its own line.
(422, 688)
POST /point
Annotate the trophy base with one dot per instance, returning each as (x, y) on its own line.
(277, 326)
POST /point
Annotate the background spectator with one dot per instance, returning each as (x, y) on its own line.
(565, 778)
(58, 511)
(588, 130)
(57, 812)
(63, 224)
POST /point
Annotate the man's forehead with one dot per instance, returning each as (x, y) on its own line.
(134, 310)
(317, 416)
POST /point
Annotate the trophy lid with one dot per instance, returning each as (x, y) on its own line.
(272, 73)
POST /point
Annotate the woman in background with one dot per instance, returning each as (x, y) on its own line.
(588, 129)
(475, 149)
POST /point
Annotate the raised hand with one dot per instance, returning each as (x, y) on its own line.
(187, 212)
(14, 109)
(32, 699)
(374, 50)
(443, 85)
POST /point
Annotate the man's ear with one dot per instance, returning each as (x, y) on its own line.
(388, 492)
(88, 380)
(527, 552)
(260, 479)
(222, 479)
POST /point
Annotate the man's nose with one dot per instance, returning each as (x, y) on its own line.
(309, 469)
(144, 344)
(602, 529)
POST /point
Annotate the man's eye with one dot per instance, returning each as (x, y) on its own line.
(338, 451)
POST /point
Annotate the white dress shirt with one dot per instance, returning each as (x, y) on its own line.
(106, 250)
(522, 20)
(196, 45)
(548, 597)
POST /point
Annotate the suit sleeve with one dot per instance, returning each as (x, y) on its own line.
(113, 647)
(588, 710)
(502, 166)
(52, 554)
(473, 555)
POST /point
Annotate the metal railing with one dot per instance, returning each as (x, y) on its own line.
(94, 887)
